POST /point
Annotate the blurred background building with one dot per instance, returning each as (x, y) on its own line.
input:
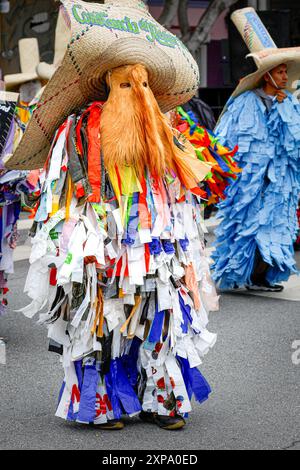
(222, 60)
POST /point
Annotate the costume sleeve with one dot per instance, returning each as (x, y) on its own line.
(284, 125)
(243, 123)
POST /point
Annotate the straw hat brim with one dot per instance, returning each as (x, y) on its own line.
(45, 71)
(8, 96)
(92, 51)
(15, 80)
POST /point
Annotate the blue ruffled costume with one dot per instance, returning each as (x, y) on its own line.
(259, 212)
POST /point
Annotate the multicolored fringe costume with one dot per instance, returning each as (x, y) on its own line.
(120, 261)
(14, 185)
(208, 149)
(259, 212)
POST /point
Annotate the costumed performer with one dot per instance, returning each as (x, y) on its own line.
(118, 256)
(254, 245)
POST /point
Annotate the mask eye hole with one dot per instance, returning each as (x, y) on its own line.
(125, 85)
(145, 84)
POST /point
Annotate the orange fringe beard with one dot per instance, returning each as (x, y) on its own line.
(134, 132)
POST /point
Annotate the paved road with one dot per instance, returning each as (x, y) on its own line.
(255, 404)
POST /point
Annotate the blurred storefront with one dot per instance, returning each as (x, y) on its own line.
(27, 18)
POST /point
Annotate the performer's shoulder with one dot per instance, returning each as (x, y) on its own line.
(250, 96)
(246, 101)
(294, 97)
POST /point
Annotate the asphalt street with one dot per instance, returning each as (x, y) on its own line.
(255, 402)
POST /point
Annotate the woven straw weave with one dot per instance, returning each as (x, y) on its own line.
(95, 49)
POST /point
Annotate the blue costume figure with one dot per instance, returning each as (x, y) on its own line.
(254, 246)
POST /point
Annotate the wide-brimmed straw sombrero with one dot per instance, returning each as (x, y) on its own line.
(264, 51)
(120, 32)
(29, 59)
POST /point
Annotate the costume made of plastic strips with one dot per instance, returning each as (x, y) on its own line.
(259, 212)
(14, 185)
(208, 149)
(122, 261)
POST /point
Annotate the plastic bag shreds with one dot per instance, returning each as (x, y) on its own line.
(208, 149)
(114, 270)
